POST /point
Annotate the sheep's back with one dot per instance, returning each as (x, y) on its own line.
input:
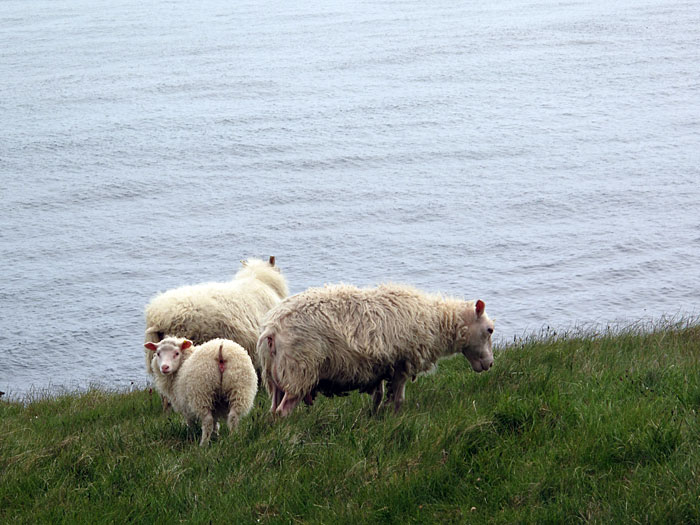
(206, 311)
(358, 332)
(201, 382)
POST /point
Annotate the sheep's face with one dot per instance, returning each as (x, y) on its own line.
(168, 354)
(475, 338)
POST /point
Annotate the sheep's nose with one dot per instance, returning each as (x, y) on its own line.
(164, 368)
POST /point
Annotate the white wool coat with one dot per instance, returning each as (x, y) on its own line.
(339, 338)
(231, 310)
(200, 386)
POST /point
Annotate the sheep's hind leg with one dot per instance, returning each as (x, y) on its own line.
(287, 404)
(277, 395)
(232, 420)
(207, 428)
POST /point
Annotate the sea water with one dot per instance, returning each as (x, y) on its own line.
(543, 156)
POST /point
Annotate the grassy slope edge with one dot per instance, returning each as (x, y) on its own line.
(597, 427)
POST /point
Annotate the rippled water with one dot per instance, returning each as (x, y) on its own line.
(543, 156)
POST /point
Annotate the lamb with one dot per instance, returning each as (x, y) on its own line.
(231, 310)
(205, 382)
(341, 338)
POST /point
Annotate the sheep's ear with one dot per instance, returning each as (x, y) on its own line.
(480, 306)
(272, 260)
(244, 263)
(151, 346)
(185, 344)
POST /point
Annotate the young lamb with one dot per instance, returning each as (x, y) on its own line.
(341, 338)
(231, 310)
(207, 382)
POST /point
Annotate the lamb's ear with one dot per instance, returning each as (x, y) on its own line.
(185, 344)
(480, 307)
(244, 263)
(272, 260)
(151, 346)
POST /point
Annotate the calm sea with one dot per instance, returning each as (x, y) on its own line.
(543, 156)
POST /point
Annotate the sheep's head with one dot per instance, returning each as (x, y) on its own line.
(474, 336)
(168, 353)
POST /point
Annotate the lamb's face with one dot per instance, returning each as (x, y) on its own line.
(168, 354)
(476, 341)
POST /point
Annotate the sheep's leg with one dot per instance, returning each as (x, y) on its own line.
(166, 404)
(207, 428)
(277, 395)
(398, 385)
(399, 391)
(232, 420)
(377, 396)
(288, 403)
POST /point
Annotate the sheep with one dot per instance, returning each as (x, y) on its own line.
(341, 338)
(231, 310)
(205, 382)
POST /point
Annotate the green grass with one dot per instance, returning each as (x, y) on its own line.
(592, 428)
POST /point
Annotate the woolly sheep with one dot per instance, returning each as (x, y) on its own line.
(341, 338)
(231, 310)
(206, 382)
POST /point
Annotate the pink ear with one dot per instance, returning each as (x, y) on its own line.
(185, 344)
(151, 346)
(480, 306)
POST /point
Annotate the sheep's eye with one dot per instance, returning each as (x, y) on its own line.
(177, 354)
(158, 353)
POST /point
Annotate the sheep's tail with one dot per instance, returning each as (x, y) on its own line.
(266, 343)
(267, 351)
(222, 364)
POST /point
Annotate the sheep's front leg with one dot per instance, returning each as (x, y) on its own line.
(377, 396)
(399, 391)
(397, 388)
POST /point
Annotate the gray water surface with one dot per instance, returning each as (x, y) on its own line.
(542, 156)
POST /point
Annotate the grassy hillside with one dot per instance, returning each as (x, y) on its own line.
(600, 428)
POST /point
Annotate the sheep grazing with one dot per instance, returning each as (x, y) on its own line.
(206, 382)
(340, 338)
(231, 310)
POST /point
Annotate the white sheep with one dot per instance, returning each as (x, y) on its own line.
(231, 310)
(205, 382)
(341, 338)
